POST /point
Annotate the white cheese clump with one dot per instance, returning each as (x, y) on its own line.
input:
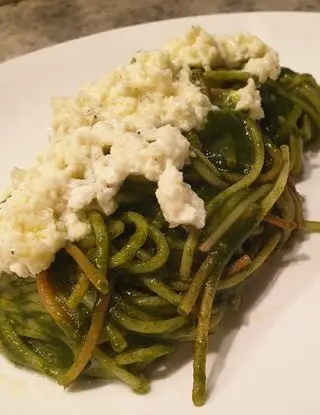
(241, 51)
(249, 100)
(178, 201)
(131, 122)
(150, 92)
(265, 67)
(196, 48)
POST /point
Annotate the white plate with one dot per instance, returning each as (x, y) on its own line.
(271, 364)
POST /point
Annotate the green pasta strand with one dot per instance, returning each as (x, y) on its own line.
(226, 75)
(115, 228)
(287, 209)
(207, 170)
(188, 254)
(133, 311)
(256, 263)
(225, 210)
(189, 334)
(102, 241)
(79, 291)
(162, 289)
(280, 183)
(275, 155)
(117, 340)
(312, 226)
(21, 352)
(148, 327)
(144, 354)
(201, 339)
(145, 300)
(136, 241)
(158, 260)
(138, 384)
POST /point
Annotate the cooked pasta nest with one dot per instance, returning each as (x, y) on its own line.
(115, 303)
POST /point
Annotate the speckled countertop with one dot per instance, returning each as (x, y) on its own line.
(28, 25)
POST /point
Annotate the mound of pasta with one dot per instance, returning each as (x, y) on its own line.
(184, 188)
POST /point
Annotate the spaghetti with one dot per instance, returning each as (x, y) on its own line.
(113, 304)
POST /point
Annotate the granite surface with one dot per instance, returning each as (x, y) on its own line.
(27, 25)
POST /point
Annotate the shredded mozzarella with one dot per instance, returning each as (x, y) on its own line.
(250, 100)
(178, 201)
(198, 48)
